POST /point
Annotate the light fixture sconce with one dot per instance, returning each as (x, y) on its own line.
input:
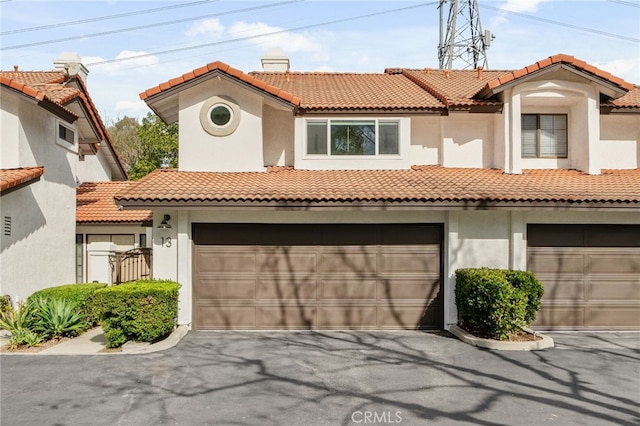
(165, 222)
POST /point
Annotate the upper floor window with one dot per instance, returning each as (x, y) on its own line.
(353, 137)
(66, 134)
(544, 136)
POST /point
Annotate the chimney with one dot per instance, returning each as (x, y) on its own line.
(71, 64)
(479, 73)
(275, 61)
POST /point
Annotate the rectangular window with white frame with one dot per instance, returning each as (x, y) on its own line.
(66, 136)
(544, 136)
(354, 137)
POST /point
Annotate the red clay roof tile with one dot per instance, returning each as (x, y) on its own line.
(221, 67)
(556, 59)
(54, 86)
(421, 184)
(95, 204)
(10, 178)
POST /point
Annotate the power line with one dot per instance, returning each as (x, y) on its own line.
(217, 43)
(105, 18)
(144, 27)
(564, 24)
(626, 3)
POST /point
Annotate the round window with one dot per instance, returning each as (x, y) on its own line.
(220, 116)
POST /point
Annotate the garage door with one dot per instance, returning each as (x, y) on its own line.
(591, 275)
(264, 276)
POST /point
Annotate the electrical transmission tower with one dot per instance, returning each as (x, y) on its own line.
(462, 38)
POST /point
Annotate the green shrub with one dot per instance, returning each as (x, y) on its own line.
(5, 304)
(24, 337)
(496, 303)
(143, 311)
(56, 318)
(527, 282)
(79, 295)
(23, 317)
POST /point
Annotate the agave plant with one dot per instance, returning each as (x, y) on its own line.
(23, 317)
(57, 318)
(24, 337)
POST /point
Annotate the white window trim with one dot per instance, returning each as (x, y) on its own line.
(352, 157)
(400, 161)
(71, 146)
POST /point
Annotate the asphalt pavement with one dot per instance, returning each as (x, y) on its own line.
(330, 378)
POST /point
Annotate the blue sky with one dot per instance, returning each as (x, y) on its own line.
(144, 47)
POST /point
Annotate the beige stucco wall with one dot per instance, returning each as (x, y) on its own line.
(619, 146)
(94, 168)
(467, 140)
(240, 151)
(426, 140)
(278, 136)
(40, 251)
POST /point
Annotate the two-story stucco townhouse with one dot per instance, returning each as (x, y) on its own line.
(348, 201)
(52, 142)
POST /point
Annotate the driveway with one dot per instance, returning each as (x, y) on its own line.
(330, 378)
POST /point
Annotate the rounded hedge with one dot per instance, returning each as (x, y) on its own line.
(496, 303)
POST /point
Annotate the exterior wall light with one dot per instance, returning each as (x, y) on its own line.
(165, 222)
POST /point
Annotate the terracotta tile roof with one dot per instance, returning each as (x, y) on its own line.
(454, 87)
(421, 184)
(95, 204)
(11, 178)
(54, 86)
(556, 59)
(630, 100)
(220, 67)
(351, 91)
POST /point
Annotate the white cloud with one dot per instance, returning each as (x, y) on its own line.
(126, 60)
(130, 106)
(522, 5)
(290, 42)
(208, 27)
(623, 68)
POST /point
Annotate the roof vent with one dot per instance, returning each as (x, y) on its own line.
(275, 61)
(71, 64)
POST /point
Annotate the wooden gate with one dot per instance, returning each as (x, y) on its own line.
(131, 265)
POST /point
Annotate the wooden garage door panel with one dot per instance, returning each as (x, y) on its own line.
(591, 275)
(348, 289)
(408, 288)
(560, 316)
(408, 317)
(564, 290)
(287, 288)
(600, 290)
(284, 260)
(286, 317)
(556, 261)
(614, 316)
(618, 263)
(409, 262)
(225, 289)
(231, 261)
(347, 317)
(341, 261)
(230, 316)
(282, 277)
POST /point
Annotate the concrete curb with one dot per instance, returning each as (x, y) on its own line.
(93, 341)
(546, 342)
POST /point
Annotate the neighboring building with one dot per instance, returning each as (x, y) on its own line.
(338, 200)
(52, 140)
(99, 220)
